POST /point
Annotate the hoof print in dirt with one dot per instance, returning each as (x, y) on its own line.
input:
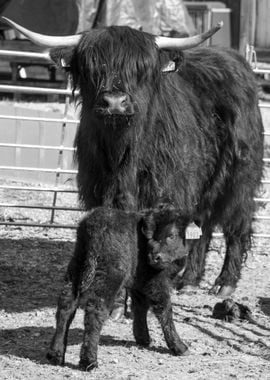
(228, 310)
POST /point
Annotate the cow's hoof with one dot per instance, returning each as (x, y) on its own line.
(188, 289)
(226, 291)
(117, 313)
(86, 365)
(223, 291)
(55, 357)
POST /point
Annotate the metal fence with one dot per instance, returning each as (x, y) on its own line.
(58, 171)
(58, 188)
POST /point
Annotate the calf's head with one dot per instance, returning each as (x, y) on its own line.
(165, 233)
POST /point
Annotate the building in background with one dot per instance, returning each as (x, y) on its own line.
(58, 17)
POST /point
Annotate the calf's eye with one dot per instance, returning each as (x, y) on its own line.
(171, 237)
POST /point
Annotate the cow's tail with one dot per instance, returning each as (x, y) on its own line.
(88, 274)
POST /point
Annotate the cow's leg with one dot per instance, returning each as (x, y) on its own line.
(237, 245)
(195, 266)
(159, 296)
(140, 307)
(236, 219)
(66, 309)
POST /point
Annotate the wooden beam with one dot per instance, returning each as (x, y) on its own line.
(247, 24)
(234, 5)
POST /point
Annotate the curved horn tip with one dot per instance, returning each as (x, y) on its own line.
(43, 39)
(220, 24)
(6, 19)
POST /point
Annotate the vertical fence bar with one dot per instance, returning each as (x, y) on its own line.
(60, 154)
(18, 151)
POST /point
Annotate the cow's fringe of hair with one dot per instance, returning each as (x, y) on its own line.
(93, 59)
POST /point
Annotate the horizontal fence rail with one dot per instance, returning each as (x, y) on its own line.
(43, 119)
(35, 90)
(57, 189)
(47, 170)
(25, 54)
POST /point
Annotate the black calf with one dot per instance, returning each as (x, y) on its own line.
(117, 249)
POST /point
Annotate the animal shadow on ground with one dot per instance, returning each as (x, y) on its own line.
(32, 272)
(264, 303)
(33, 342)
(240, 331)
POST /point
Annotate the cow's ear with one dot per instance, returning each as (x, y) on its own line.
(62, 57)
(169, 67)
(173, 64)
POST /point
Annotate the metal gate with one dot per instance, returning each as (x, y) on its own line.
(58, 191)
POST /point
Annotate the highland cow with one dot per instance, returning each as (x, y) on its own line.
(116, 249)
(161, 124)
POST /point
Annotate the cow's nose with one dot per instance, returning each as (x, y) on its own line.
(116, 104)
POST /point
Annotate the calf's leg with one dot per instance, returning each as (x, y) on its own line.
(96, 312)
(97, 309)
(159, 297)
(140, 306)
(67, 305)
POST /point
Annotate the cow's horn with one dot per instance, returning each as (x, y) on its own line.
(43, 39)
(186, 43)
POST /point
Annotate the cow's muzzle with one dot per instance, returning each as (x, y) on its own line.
(114, 104)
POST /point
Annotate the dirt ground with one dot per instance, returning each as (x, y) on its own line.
(32, 265)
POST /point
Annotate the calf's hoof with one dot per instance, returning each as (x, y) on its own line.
(86, 365)
(222, 291)
(143, 342)
(55, 357)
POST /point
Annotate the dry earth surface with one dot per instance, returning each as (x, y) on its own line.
(32, 265)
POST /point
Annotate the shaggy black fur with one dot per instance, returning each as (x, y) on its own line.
(195, 137)
(112, 252)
